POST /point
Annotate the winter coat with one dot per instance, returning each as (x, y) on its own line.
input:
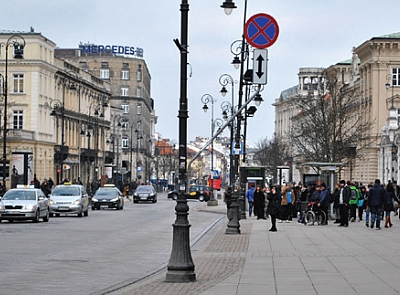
(284, 200)
(376, 195)
(273, 205)
(345, 191)
(250, 194)
(354, 195)
(390, 197)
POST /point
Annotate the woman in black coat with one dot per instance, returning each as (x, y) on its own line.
(273, 206)
(259, 203)
(388, 207)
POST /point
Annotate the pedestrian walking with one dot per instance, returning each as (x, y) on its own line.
(353, 202)
(324, 200)
(367, 210)
(388, 206)
(45, 188)
(361, 202)
(376, 197)
(250, 198)
(273, 206)
(336, 196)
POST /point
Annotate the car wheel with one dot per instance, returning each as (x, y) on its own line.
(86, 213)
(122, 207)
(37, 217)
(80, 214)
(201, 198)
(51, 214)
(47, 217)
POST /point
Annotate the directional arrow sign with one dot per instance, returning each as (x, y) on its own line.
(260, 59)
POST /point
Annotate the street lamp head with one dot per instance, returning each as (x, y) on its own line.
(72, 86)
(223, 91)
(228, 6)
(82, 132)
(236, 62)
(258, 99)
(18, 51)
(225, 115)
(387, 85)
(53, 113)
(205, 108)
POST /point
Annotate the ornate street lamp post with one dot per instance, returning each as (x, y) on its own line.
(180, 266)
(18, 42)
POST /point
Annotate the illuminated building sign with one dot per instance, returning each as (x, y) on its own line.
(111, 49)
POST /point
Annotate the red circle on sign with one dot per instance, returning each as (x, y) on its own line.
(261, 30)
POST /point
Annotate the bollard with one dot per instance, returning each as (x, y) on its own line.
(233, 215)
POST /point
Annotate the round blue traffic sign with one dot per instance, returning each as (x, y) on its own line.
(261, 30)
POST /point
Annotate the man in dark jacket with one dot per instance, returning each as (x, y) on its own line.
(344, 197)
(376, 196)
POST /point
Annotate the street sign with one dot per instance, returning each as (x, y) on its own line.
(139, 169)
(260, 59)
(237, 152)
(261, 30)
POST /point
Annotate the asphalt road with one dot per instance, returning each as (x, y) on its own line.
(88, 255)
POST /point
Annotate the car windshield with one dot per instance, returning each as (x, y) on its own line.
(106, 192)
(20, 195)
(142, 189)
(66, 191)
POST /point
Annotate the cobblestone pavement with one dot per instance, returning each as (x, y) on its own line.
(216, 257)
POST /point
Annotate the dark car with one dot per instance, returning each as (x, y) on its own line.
(108, 196)
(198, 192)
(145, 193)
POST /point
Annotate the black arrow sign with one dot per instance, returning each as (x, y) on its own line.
(259, 72)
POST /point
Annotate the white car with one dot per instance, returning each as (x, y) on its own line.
(24, 204)
(69, 199)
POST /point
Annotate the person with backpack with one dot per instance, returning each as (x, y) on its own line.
(353, 202)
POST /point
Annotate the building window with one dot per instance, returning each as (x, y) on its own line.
(125, 75)
(139, 109)
(125, 107)
(124, 91)
(18, 119)
(18, 82)
(396, 77)
(104, 73)
(139, 92)
(139, 74)
(125, 143)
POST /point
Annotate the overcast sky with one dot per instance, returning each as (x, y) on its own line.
(313, 33)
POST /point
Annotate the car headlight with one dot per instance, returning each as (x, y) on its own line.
(31, 207)
(94, 199)
(52, 202)
(77, 202)
(114, 200)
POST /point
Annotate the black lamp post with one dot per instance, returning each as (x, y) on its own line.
(227, 107)
(181, 267)
(207, 98)
(18, 42)
(57, 104)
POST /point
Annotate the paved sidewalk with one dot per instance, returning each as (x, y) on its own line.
(297, 259)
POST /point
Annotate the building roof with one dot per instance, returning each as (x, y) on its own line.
(389, 36)
(288, 92)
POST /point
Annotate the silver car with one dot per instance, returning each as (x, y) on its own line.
(69, 199)
(24, 204)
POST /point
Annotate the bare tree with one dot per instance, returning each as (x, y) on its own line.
(271, 153)
(330, 126)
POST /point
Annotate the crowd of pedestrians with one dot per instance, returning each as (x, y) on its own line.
(350, 200)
